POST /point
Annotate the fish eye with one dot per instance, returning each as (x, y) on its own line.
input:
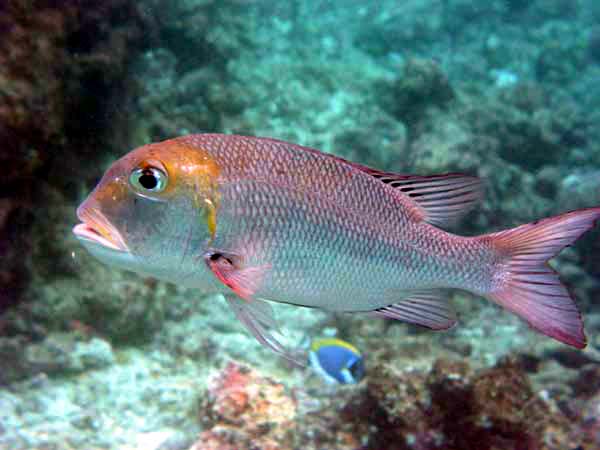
(148, 179)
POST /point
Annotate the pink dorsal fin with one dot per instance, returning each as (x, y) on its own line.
(440, 199)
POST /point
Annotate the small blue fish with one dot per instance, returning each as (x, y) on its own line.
(336, 361)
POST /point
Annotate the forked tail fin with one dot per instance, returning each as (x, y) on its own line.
(527, 286)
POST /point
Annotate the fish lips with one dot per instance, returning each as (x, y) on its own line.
(96, 231)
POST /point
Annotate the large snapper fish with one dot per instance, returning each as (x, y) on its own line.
(259, 220)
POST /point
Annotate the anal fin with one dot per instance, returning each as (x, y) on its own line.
(426, 308)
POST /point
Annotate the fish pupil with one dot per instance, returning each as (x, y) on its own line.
(147, 180)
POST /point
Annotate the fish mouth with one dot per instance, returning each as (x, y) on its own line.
(95, 228)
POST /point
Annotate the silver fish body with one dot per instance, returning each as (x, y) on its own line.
(260, 219)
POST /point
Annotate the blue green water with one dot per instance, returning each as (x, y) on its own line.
(92, 357)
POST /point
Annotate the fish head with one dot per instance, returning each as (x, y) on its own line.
(153, 211)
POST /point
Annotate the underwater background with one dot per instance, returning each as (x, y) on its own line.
(97, 358)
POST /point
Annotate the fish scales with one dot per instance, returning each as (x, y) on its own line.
(336, 237)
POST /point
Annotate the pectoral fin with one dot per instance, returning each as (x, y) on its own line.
(258, 317)
(231, 271)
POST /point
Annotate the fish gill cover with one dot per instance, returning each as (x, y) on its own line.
(94, 357)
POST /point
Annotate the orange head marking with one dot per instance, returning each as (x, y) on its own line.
(187, 169)
(185, 165)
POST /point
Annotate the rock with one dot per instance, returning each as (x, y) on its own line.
(93, 354)
(58, 353)
(57, 61)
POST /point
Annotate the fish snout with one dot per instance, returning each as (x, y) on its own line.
(97, 229)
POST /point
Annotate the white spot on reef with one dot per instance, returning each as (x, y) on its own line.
(504, 78)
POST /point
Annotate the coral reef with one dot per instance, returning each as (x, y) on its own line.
(99, 358)
(186, 81)
(244, 410)
(451, 406)
(420, 85)
(455, 407)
